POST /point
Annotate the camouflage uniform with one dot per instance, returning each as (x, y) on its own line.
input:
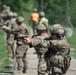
(58, 54)
(42, 19)
(21, 49)
(6, 10)
(10, 36)
(40, 50)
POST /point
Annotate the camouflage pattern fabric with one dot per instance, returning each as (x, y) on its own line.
(40, 52)
(10, 39)
(44, 21)
(21, 50)
(21, 57)
(58, 49)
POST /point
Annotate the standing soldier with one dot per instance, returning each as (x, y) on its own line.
(41, 34)
(21, 49)
(34, 18)
(43, 20)
(10, 40)
(9, 36)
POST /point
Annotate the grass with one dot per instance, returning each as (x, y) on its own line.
(4, 61)
(72, 41)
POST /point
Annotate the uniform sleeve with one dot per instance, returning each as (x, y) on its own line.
(46, 22)
(35, 42)
(27, 31)
(18, 29)
(49, 43)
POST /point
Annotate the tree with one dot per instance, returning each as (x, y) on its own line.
(55, 10)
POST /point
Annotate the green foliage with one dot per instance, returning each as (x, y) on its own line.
(72, 42)
(55, 9)
(72, 39)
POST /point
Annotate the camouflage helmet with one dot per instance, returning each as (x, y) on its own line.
(57, 28)
(41, 13)
(41, 27)
(4, 6)
(20, 19)
(15, 14)
(34, 10)
(10, 14)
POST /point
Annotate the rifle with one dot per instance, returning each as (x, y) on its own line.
(22, 37)
(15, 35)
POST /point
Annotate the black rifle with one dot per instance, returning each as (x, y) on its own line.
(22, 37)
(15, 35)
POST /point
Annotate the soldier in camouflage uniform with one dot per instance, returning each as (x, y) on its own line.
(21, 49)
(58, 54)
(41, 34)
(43, 20)
(9, 36)
(6, 9)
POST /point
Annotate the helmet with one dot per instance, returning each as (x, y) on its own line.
(10, 14)
(4, 6)
(34, 10)
(41, 27)
(57, 28)
(41, 13)
(20, 19)
(15, 14)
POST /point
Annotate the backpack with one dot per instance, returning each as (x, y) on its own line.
(67, 62)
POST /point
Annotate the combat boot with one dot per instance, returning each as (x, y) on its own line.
(25, 71)
(20, 72)
(39, 73)
(15, 72)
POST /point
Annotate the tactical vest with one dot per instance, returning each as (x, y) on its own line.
(35, 17)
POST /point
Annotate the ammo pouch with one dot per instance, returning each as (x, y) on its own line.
(67, 61)
(57, 60)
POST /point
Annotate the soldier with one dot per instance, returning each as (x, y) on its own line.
(9, 36)
(43, 20)
(58, 54)
(6, 9)
(34, 18)
(10, 41)
(22, 48)
(41, 34)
